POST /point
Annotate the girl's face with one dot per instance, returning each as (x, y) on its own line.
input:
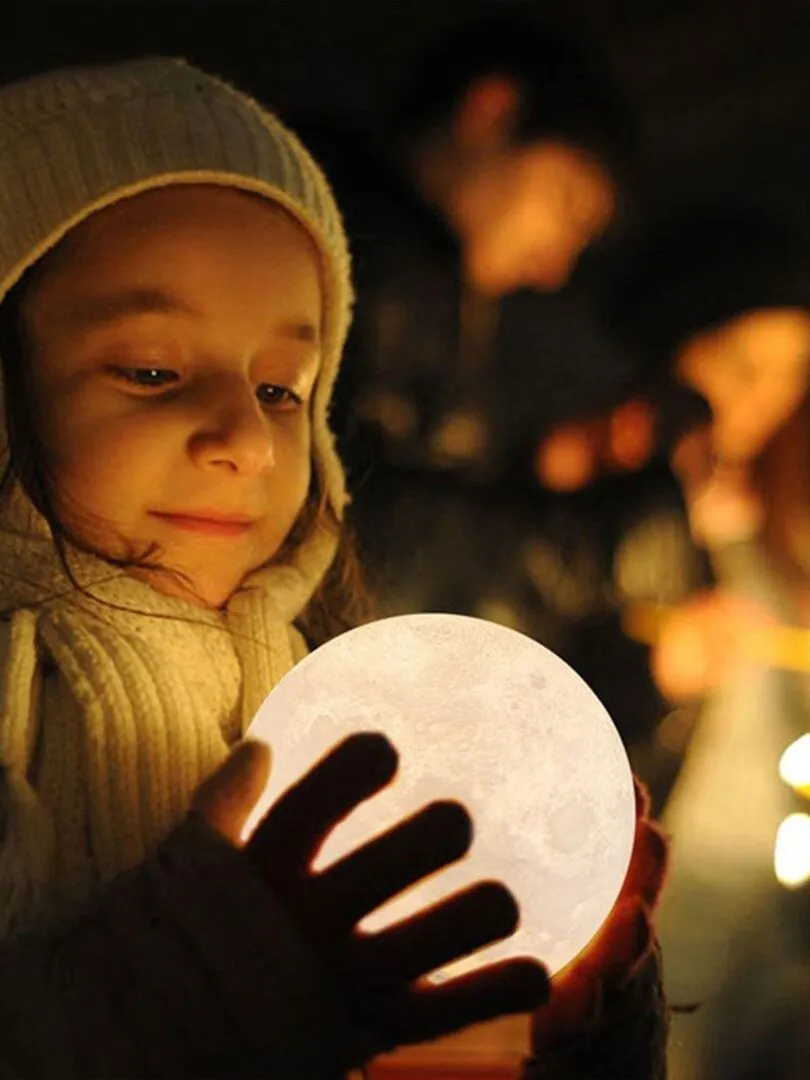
(175, 344)
(753, 372)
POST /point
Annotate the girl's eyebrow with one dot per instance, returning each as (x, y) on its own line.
(93, 312)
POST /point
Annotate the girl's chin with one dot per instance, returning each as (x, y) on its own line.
(183, 583)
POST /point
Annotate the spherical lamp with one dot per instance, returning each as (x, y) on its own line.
(485, 715)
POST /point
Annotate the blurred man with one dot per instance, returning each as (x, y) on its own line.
(505, 157)
(513, 135)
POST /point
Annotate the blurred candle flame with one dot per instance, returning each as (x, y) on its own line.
(794, 766)
(791, 858)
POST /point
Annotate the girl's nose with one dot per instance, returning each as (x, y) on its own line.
(233, 433)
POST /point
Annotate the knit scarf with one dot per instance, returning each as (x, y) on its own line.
(116, 702)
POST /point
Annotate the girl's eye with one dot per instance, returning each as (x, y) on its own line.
(153, 378)
(146, 378)
(275, 397)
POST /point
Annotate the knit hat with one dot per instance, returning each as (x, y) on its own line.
(702, 270)
(75, 141)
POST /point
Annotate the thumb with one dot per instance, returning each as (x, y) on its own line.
(227, 797)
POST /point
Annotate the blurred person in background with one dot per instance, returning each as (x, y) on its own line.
(506, 157)
(718, 305)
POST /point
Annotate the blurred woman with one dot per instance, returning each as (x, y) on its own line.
(718, 308)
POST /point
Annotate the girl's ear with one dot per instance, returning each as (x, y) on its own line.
(487, 113)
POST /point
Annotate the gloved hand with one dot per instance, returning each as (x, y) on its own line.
(379, 974)
(606, 1016)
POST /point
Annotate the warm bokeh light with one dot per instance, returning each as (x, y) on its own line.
(485, 715)
(794, 766)
(791, 858)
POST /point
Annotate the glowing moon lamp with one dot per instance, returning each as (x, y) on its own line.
(485, 715)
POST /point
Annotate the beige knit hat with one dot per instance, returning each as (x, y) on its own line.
(77, 140)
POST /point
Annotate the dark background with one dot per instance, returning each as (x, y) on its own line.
(722, 86)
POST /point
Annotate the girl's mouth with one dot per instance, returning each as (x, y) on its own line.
(212, 526)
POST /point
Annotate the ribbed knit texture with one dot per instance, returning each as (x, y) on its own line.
(110, 718)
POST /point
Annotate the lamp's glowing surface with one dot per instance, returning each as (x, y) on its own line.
(484, 715)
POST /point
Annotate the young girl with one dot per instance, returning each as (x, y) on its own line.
(175, 295)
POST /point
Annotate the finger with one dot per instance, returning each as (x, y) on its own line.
(647, 942)
(643, 800)
(513, 986)
(622, 941)
(648, 864)
(617, 954)
(226, 798)
(432, 838)
(450, 930)
(289, 837)
(570, 1007)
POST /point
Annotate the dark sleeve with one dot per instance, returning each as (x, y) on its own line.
(186, 968)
